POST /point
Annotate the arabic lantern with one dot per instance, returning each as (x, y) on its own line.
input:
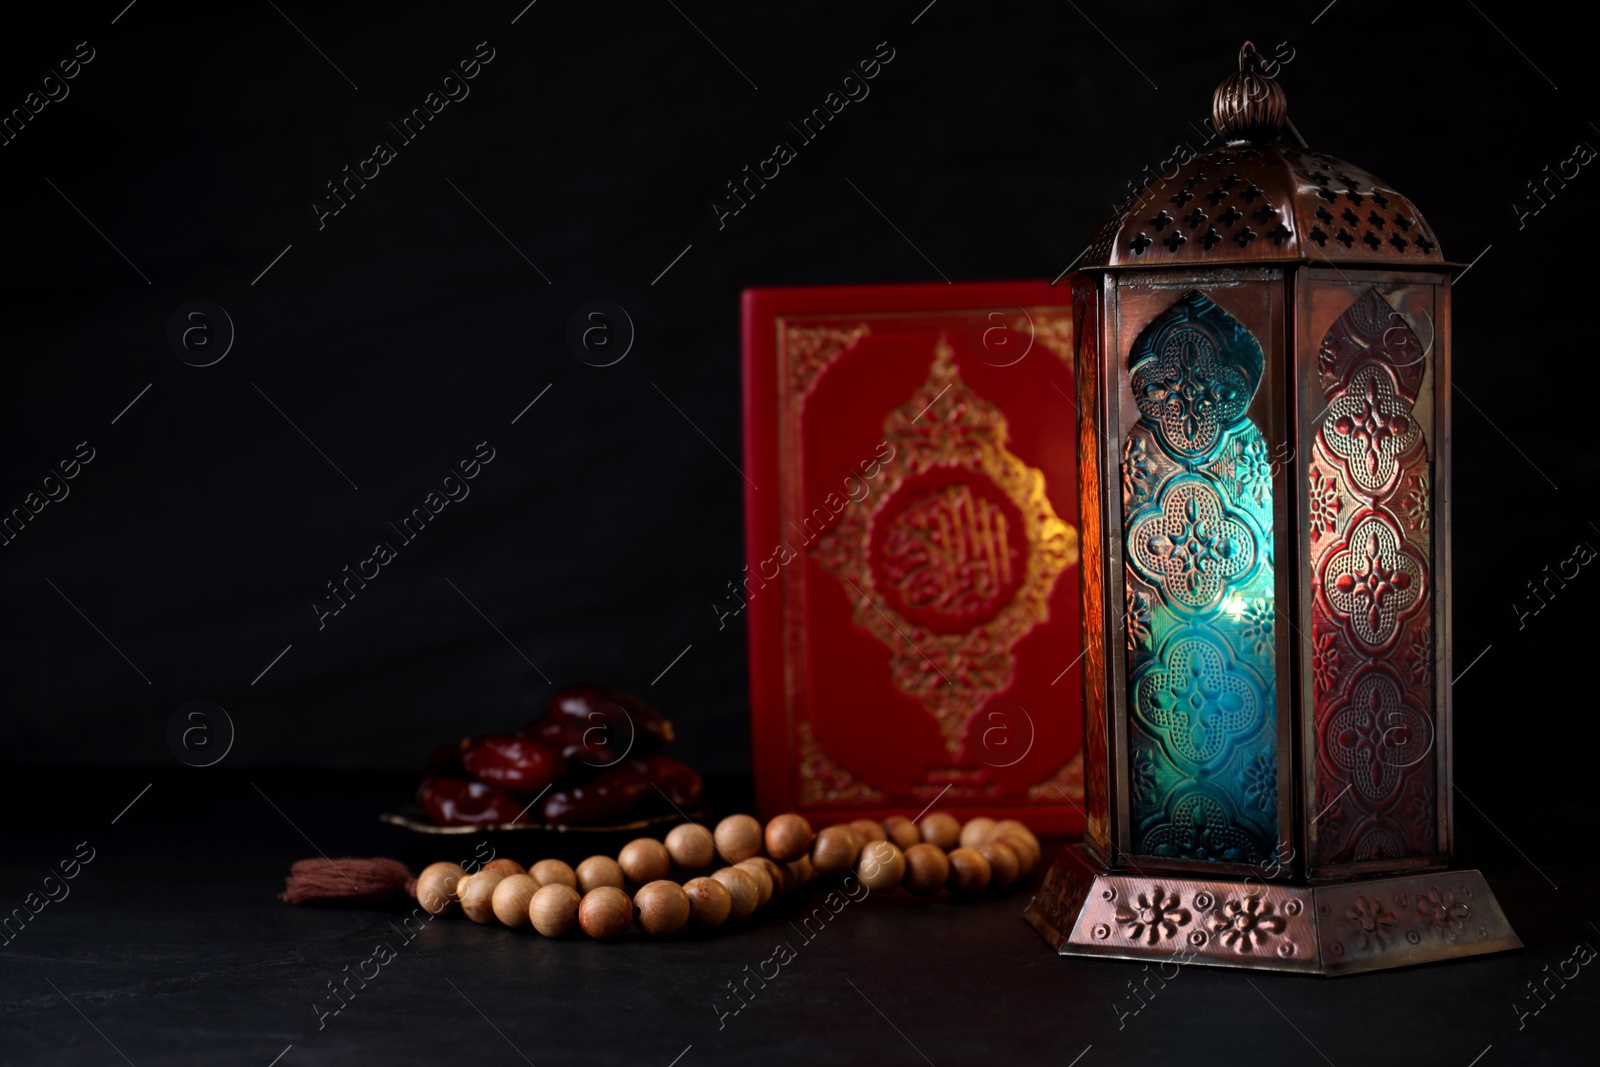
(1263, 352)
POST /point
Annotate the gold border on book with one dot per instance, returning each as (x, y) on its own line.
(822, 781)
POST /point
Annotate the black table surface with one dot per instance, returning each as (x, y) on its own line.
(170, 947)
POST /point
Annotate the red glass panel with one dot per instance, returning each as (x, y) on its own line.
(1368, 509)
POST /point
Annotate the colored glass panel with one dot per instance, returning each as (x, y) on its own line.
(1369, 508)
(1197, 515)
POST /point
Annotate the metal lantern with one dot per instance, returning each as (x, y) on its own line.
(1263, 351)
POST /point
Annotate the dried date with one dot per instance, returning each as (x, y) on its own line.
(605, 724)
(610, 798)
(460, 802)
(680, 782)
(512, 762)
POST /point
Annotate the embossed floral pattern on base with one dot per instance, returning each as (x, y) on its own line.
(1372, 920)
(1156, 916)
(1245, 924)
(1441, 912)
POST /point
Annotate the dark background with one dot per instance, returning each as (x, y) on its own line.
(410, 329)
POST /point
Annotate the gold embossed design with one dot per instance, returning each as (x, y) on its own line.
(824, 781)
(810, 349)
(1067, 782)
(952, 671)
(1055, 333)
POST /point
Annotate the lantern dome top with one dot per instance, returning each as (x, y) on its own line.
(1252, 201)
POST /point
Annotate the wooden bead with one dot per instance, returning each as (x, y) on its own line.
(836, 849)
(758, 873)
(644, 859)
(505, 866)
(690, 846)
(870, 831)
(710, 903)
(976, 832)
(782, 878)
(1003, 863)
(477, 895)
(597, 871)
(1027, 852)
(926, 869)
(460, 886)
(788, 837)
(554, 872)
(882, 865)
(1011, 827)
(940, 828)
(969, 872)
(738, 837)
(554, 909)
(1028, 840)
(510, 900)
(1024, 843)
(661, 908)
(800, 872)
(902, 831)
(743, 892)
(436, 886)
(605, 913)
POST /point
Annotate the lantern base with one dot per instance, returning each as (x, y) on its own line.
(1372, 924)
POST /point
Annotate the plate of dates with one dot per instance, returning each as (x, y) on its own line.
(590, 764)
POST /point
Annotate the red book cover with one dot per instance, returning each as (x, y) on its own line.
(912, 552)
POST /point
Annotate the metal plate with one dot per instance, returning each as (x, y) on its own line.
(415, 819)
(1360, 925)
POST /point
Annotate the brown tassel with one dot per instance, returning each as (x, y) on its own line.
(348, 880)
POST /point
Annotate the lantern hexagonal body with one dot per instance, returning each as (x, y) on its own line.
(1264, 377)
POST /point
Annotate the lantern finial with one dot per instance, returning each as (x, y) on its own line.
(1248, 105)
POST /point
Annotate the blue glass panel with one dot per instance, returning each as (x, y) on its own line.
(1197, 521)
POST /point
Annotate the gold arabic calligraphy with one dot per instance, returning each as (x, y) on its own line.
(950, 551)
